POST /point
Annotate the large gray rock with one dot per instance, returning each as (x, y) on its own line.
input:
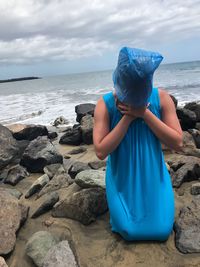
(195, 107)
(185, 170)
(9, 147)
(27, 132)
(38, 246)
(72, 137)
(45, 204)
(37, 185)
(91, 178)
(60, 180)
(187, 228)
(87, 123)
(187, 118)
(12, 215)
(196, 136)
(77, 167)
(39, 153)
(60, 255)
(52, 169)
(84, 109)
(84, 205)
(97, 164)
(15, 174)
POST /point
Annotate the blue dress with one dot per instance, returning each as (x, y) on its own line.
(138, 185)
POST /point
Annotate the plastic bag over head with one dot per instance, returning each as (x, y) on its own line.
(133, 75)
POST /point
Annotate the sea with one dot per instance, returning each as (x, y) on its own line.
(41, 101)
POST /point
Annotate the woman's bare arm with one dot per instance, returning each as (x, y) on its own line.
(104, 140)
(168, 130)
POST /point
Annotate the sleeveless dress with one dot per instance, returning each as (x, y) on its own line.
(139, 190)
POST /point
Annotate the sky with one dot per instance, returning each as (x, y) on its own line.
(52, 37)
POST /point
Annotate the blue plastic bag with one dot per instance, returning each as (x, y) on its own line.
(133, 75)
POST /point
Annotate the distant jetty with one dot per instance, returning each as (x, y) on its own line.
(19, 79)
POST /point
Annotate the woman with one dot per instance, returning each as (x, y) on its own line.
(138, 186)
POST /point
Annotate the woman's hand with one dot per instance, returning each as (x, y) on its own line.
(131, 111)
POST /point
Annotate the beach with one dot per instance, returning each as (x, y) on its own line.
(52, 184)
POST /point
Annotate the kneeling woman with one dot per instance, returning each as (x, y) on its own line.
(129, 125)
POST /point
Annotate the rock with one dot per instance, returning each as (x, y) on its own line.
(39, 153)
(12, 215)
(60, 180)
(77, 150)
(60, 121)
(15, 174)
(14, 192)
(188, 140)
(196, 136)
(185, 170)
(52, 169)
(197, 126)
(9, 147)
(38, 246)
(77, 167)
(37, 185)
(97, 164)
(195, 189)
(87, 129)
(28, 132)
(83, 206)
(91, 178)
(46, 204)
(60, 255)
(2, 262)
(195, 107)
(72, 137)
(187, 118)
(52, 135)
(187, 228)
(84, 109)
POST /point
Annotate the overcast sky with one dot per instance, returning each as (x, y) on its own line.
(49, 37)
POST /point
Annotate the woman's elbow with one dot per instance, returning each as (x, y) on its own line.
(100, 155)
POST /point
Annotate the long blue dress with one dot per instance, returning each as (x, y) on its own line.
(138, 185)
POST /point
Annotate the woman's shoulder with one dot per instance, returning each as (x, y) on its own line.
(163, 94)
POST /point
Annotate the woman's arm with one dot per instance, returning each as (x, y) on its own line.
(104, 140)
(168, 130)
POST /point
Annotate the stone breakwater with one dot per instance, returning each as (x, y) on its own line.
(53, 207)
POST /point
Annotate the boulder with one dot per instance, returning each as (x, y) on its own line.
(185, 170)
(91, 178)
(84, 109)
(60, 255)
(196, 136)
(37, 185)
(12, 216)
(87, 123)
(195, 107)
(9, 147)
(83, 206)
(39, 153)
(187, 118)
(77, 167)
(38, 245)
(28, 132)
(187, 228)
(97, 164)
(52, 169)
(72, 137)
(15, 174)
(45, 204)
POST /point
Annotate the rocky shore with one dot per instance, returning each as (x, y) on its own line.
(53, 208)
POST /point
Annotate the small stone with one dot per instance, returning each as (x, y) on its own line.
(195, 189)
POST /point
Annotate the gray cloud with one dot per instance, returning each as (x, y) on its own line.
(41, 30)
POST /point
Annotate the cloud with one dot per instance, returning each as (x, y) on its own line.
(43, 30)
